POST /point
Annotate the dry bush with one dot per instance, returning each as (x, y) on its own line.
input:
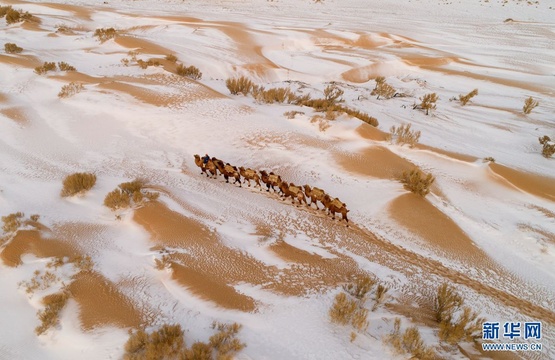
(380, 295)
(63, 66)
(105, 34)
(410, 342)
(39, 282)
(466, 98)
(55, 262)
(132, 186)
(50, 315)
(4, 10)
(360, 287)
(489, 159)
(447, 301)
(14, 16)
(70, 89)
(242, 85)
(46, 67)
(198, 351)
(12, 222)
(428, 102)
(404, 135)
(332, 93)
(78, 183)
(529, 105)
(83, 263)
(274, 95)
(34, 217)
(383, 89)
(548, 148)
(165, 343)
(11, 48)
(145, 64)
(346, 311)
(361, 116)
(171, 58)
(416, 182)
(225, 342)
(117, 199)
(191, 72)
(292, 114)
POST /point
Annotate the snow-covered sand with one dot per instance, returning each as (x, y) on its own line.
(240, 255)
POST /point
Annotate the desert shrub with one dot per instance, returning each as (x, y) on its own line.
(46, 67)
(464, 99)
(415, 182)
(63, 66)
(380, 296)
(165, 343)
(117, 199)
(409, 342)
(275, 95)
(360, 287)
(225, 342)
(12, 222)
(14, 16)
(35, 217)
(132, 186)
(198, 351)
(489, 159)
(171, 58)
(242, 85)
(39, 282)
(428, 102)
(548, 148)
(83, 263)
(189, 71)
(78, 183)
(105, 34)
(346, 311)
(70, 89)
(11, 48)
(404, 135)
(529, 105)
(145, 64)
(50, 315)
(332, 93)
(383, 89)
(4, 10)
(455, 326)
(292, 114)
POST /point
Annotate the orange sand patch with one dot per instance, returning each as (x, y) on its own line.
(211, 288)
(78, 11)
(451, 154)
(371, 132)
(146, 46)
(423, 219)
(17, 114)
(376, 161)
(531, 183)
(362, 74)
(3, 97)
(101, 303)
(31, 242)
(27, 61)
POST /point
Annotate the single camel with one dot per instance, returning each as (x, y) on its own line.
(231, 171)
(248, 175)
(270, 180)
(336, 206)
(295, 192)
(210, 166)
(315, 194)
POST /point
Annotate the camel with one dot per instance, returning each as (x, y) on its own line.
(315, 194)
(248, 175)
(270, 180)
(231, 171)
(210, 166)
(293, 191)
(219, 165)
(336, 206)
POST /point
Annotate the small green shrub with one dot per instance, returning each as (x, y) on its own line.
(50, 315)
(105, 34)
(63, 66)
(464, 99)
(70, 89)
(46, 67)
(11, 48)
(529, 105)
(416, 182)
(548, 148)
(242, 85)
(191, 72)
(78, 183)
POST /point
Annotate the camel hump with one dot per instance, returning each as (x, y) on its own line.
(250, 172)
(338, 204)
(294, 189)
(229, 168)
(273, 178)
(317, 192)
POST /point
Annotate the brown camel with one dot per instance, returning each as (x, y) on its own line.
(248, 175)
(219, 165)
(315, 194)
(295, 192)
(231, 171)
(270, 180)
(210, 166)
(336, 206)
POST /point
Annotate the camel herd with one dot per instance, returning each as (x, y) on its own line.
(214, 167)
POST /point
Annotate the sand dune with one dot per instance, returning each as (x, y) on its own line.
(17, 114)
(376, 161)
(531, 183)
